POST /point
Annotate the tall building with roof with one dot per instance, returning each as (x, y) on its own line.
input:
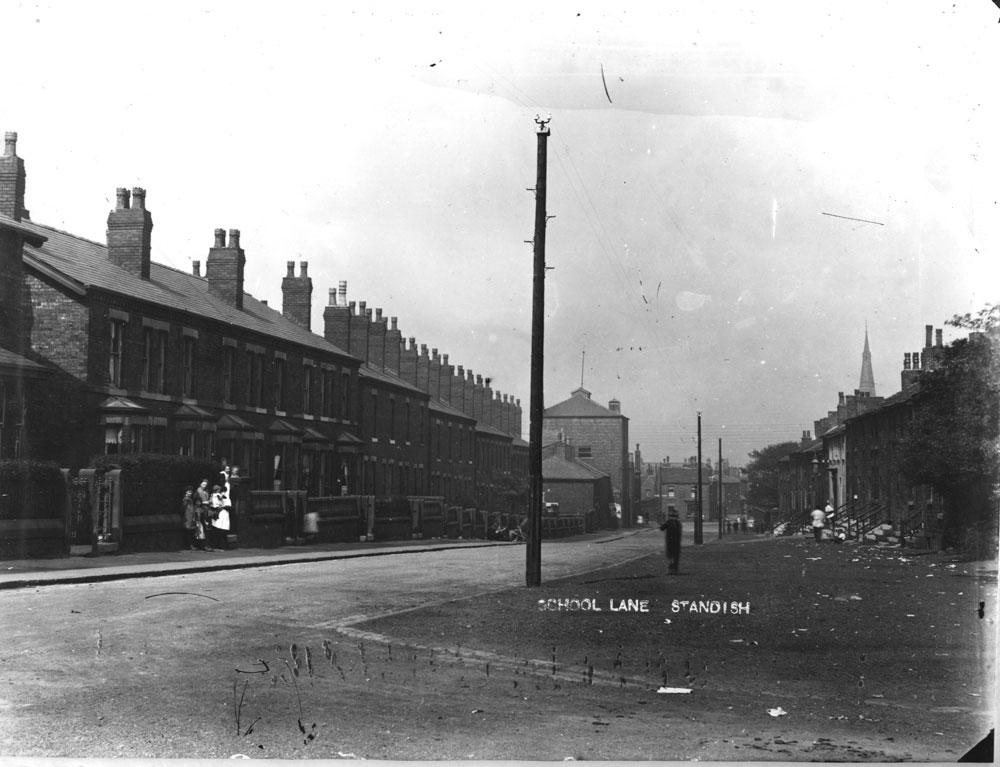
(599, 436)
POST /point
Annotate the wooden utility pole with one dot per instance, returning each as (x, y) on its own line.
(719, 470)
(700, 516)
(533, 553)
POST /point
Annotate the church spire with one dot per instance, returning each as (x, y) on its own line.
(867, 383)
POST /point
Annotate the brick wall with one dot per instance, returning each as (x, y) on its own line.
(58, 326)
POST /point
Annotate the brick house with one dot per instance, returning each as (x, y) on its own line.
(579, 488)
(140, 357)
(600, 437)
(855, 459)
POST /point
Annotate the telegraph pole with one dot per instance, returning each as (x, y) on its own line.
(533, 553)
(719, 470)
(698, 519)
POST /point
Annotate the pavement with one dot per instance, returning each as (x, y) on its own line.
(88, 568)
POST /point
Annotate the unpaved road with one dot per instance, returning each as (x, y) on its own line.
(425, 656)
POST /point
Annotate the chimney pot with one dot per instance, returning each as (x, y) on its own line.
(444, 359)
(196, 268)
(378, 314)
(264, 301)
(352, 306)
(343, 292)
(138, 198)
(123, 198)
(939, 337)
(929, 330)
(361, 307)
(303, 269)
(234, 238)
(916, 360)
(291, 268)
(368, 315)
(220, 237)
(332, 296)
(392, 322)
(10, 144)
(906, 361)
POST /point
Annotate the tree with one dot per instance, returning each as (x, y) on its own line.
(762, 473)
(953, 442)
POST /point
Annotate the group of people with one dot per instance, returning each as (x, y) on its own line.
(820, 519)
(740, 525)
(207, 514)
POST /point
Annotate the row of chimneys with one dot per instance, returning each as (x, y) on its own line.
(129, 237)
(364, 333)
(358, 333)
(914, 363)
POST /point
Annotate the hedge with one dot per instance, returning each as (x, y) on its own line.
(153, 483)
(31, 490)
(152, 487)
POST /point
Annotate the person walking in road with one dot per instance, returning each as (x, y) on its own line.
(672, 528)
(818, 517)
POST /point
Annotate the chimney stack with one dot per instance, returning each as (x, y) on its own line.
(296, 295)
(393, 346)
(337, 319)
(196, 268)
(423, 370)
(376, 341)
(408, 361)
(12, 180)
(224, 268)
(130, 230)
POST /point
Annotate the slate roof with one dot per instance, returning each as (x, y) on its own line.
(579, 405)
(85, 264)
(11, 361)
(556, 467)
(682, 475)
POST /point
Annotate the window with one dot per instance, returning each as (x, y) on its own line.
(584, 451)
(188, 361)
(255, 378)
(325, 393)
(406, 422)
(345, 396)
(279, 383)
(392, 419)
(154, 359)
(670, 491)
(374, 423)
(228, 373)
(112, 439)
(116, 348)
(307, 389)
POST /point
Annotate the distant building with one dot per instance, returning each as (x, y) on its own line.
(599, 436)
(578, 487)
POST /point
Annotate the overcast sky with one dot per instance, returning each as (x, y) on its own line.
(704, 165)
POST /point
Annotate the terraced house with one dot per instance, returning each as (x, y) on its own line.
(104, 351)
